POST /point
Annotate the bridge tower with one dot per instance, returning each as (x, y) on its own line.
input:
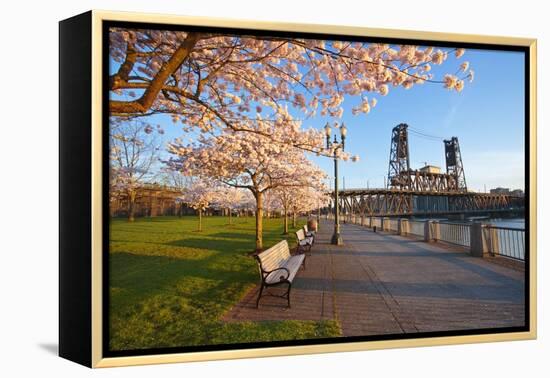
(399, 168)
(453, 160)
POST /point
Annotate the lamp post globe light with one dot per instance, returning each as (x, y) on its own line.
(335, 145)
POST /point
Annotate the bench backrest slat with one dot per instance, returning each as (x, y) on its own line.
(300, 234)
(274, 257)
(306, 228)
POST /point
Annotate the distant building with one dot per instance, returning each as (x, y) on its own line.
(430, 169)
(517, 193)
(500, 191)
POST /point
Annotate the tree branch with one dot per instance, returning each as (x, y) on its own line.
(144, 103)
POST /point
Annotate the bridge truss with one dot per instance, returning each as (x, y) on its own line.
(392, 202)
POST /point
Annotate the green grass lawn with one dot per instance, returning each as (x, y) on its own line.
(170, 285)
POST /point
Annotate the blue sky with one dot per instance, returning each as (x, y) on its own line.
(487, 117)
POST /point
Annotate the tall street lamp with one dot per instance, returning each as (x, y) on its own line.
(335, 145)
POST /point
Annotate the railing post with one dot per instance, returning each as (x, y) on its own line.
(427, 231)
(492, 242)
(385, 224)
(478, 243)
(403, 226)
(435, 231)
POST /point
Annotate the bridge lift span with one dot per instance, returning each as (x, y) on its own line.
(402, 177)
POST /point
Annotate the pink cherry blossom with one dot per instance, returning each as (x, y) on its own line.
(213, 81)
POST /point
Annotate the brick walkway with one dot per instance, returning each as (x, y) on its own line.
(379, 283)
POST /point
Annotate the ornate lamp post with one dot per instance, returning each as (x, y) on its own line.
(335, 145)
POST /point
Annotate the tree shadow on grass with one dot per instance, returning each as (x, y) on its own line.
(184, 309)
(224, 245)
(154, 300)
(137, 276)
(233, 236)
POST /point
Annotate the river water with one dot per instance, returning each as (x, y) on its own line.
(518, 223)
(504, 222)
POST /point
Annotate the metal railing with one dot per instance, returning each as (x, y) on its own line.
(502, 241)
(416, 228)
(505, 241)
(455, 233)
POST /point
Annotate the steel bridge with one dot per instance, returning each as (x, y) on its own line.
(397, 202)
(426, 191)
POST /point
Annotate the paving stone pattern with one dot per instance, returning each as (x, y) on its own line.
(381, 283)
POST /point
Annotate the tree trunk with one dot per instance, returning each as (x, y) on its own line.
(200, 220)
(285, 222)
(229, 211)
(259, 220)
(131, 205)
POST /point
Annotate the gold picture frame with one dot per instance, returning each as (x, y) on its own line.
(88, 266)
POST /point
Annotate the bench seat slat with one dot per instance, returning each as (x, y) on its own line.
(292, 264)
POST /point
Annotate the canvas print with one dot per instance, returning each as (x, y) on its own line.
(270, 188)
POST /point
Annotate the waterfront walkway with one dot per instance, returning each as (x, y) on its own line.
(381, 283)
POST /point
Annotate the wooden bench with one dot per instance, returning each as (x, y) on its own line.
(278, 267)
(303, 241)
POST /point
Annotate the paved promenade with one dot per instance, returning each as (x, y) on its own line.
(381, 283)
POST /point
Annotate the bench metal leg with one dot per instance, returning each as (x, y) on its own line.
(259, 295)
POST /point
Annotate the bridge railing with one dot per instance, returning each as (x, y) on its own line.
(492, 240)
(416, 228)
(454, 233)
(505, 241)
(376, 222)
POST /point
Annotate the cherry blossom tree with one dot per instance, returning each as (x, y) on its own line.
(179, 181)
(246, 161)
(247, 204)
(271, 204)
(199, 195)
(134, 151)
(209, 80)
(284, 194)
(307, 199)
(294, 200)
(229, 198)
